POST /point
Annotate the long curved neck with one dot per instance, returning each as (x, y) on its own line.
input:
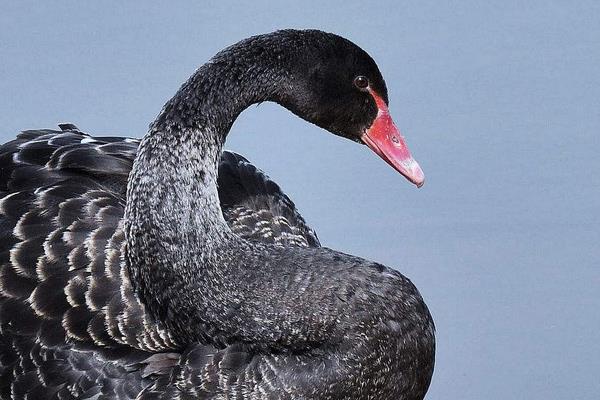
(173, 222)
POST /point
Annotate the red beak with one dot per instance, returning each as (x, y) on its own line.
(386, 140)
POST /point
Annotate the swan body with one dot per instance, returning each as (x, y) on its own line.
(168, 269)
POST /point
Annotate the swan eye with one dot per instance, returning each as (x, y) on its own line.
(361, 82)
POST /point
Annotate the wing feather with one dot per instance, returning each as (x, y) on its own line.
(70, 324)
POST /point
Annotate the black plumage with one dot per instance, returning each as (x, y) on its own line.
(60, 213)
(165, 268)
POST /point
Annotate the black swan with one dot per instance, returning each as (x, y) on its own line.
(166, 269)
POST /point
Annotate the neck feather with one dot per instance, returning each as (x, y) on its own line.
(175, 230)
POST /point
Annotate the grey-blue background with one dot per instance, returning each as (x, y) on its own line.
(500, 103)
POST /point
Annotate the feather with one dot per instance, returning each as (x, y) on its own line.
(121, 280)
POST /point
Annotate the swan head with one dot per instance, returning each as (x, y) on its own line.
(339, 87)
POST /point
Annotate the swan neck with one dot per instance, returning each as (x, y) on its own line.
(176, 234)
